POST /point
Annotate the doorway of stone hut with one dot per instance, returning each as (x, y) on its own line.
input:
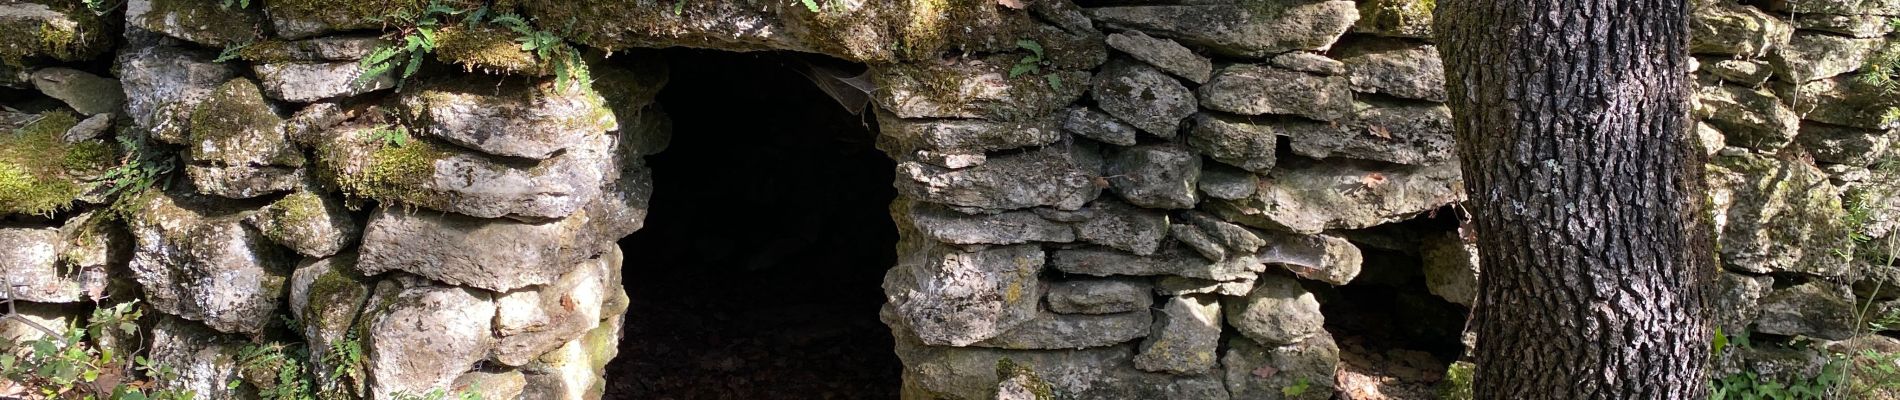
(757, 274)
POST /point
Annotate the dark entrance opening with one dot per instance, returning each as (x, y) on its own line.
(1395, 337)
(757, 275)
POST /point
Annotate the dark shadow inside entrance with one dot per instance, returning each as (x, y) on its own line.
(757, 274)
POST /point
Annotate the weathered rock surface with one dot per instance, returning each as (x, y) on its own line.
(31, 255)
(311, 224)
(1156, 176)
(1073, 331)
(86, 93)
(202, 263)
(1312, 196)
(1093, 124)
(424, 336)
(1226, 183)
(1165, 54)
(55, 30)
(1841, 100)
(237, 147)
(950, 297)
(1171, 259)
(1312, 361)
(1047, 177)
(206, 361)
(1780, 216)
(304, 82)
(966, 135)
(1323, 258)
(1242, 29)
(1845, 145)
(493, 254)
(1810, 56)
(1118, 225)
(1752, 118)
(1099, 296)
(1248, 89)
(1143, 96)
(974, 88)
(326, 297)
(443, 177)
(1397, 69)
(1816, 309)
(536, 320)
(932, 372)
(1734, 29)
(1451, 268)
(1400, 132)
(1278, 311)
(1396, 18)
(1186, 336)
(164, 84)
(508, 117)
(1245, 142)
(208, 23)
(1014, 227)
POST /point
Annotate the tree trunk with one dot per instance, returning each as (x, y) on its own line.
(1587, 193)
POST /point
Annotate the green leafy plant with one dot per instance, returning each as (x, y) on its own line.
(440, 394)
(276, 370)
(1297, 389)
(144, 165)
(346, 360)
(75, 364)
(231, 52)
(103, 7)
(1749, 386)
(414, 38)
(390, 135)
(811, 5)
(1032, 63)
(549, 46)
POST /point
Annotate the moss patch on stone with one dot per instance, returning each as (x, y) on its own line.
(62, 30)
(236, 122)
(366, 169)
(488, 49)
(42, 174)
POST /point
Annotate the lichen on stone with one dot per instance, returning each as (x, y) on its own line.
(42, 174)
(57, 29)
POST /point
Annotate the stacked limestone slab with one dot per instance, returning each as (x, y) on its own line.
(1148, 212)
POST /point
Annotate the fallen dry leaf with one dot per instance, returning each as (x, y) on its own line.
(1014, 4)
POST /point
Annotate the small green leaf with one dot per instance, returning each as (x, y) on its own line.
(679, 7)
(1721, 341)
(1021, 69)
(811, 5)
(1030, 45)
(1055, 82)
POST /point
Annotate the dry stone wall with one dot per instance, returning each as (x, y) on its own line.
(1113, 201)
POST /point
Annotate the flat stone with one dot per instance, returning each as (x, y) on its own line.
(1815, 309)
(199, 262)
(1844, 145)
(1237, 239)
(1323, 258)
(973, 88)
(1092, 373)
(1248, 89)
(1046, 177)
(1843, 7)
(1309, 63)
(1247, 365)
(950, 297)
(1779, 216)
(1178, 286)
(1811, 56)
(304, 82)
(1859, 26)
(1399, 132)
(311, 224)
(1396, 18)
(1090, 123)
(327, 48)
(204, 22)
(1156, 176)
(1240, 29)
(1312, 196)
(1118, 225)
(31, 255)
(1396, 68)
(964, 134)
(86, 93)
(1752, 118)
(1734, 29)
(1227, 183)
(1143, 96)
(1014, 227)
(206, 360)
(439, 176)
(1278, 311)
(424, 336)
(1747, 73)
(1237, 141)
(1099, 296)
(1170, 260)
(1073, 331)
(1842, 100)
(533, 321)
(959, 160)
(1186, 337)
(300, 19)
(1165, 54)
(509, 117)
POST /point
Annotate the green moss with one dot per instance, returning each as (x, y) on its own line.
(233, 122)
(206, 21)
(373, 169)
(1457, 383)
(39, 172)
(1007, 369)
(488, 49)
(73, 36)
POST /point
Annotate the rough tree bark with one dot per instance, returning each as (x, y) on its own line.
(1588, 196)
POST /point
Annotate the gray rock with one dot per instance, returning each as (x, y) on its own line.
(447, 178)
(1014, 227)
(1238, 28)
(932, 372)
(243, 182)
(93, 248)
(973, 88)
(237, 145)
(1860, 26)
(1254, 371)
(1816, 309)
(1312, 196)
(86, 93)
(1779, 216)
(1323, 258)
(311, 224)
(1400, 132)
(1278, 311)
(959, 160)
(1742, 72)
(1711, 140)
(1046, 177)
(1193, 238)
(1092, 124)
(1179, 286)
(45, 30)
(1309, 63)
(304, 82)
(1156, 176)
(92, 127)
(1143, 96)
(1844, 145)
(577, 370)
(1073, 331)
(1121, 226)
(966, 135)
(1165, 54)
(1736, 300)
(424, 336)
(1810, 56)
(950, 297)
(299, 19)
(1396, 18)
(1186, 337)
(1451, 268)
(1235, 238)
(1226, 183)
(1238, 141)
(1170, 260)
(326, 296)
(327, 48)
(204, 22)
(1100, 296)
(164, 84)
(200, 262)
(494, 254)
(532, 321)
(1396, 68)
(205, 360)
(508, 384)
(21, 328)
(1753, 118)
(1844, 7)
(509, 117)
(1248, 89)
(1734, 29)
(1842, 100)
(32, 258)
